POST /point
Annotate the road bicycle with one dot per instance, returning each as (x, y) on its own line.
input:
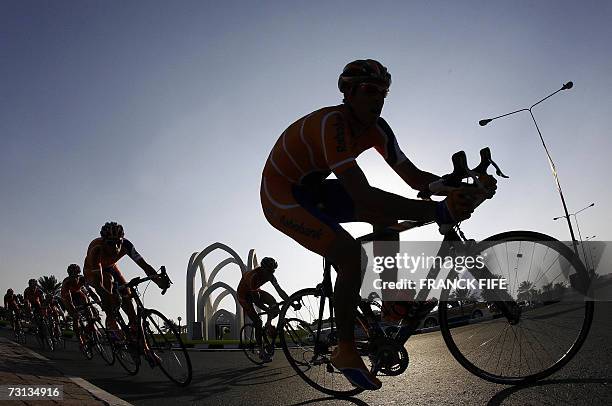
(260, 350)
(18, 330)
(93, 334)
(520, 343)
(160, 335)
(42, 331)
(55, 330)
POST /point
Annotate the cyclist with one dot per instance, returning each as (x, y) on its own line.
(33, 298)
(12, 306)
(299, 201)
(74, 293)
(101, 272)
(22, 306)
(53, 311)
(250, 295)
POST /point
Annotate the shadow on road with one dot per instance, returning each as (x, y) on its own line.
(204, 384)
(597, 391)
(355, 401)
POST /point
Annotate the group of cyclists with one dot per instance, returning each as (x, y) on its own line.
(300, 201)
(101, 282)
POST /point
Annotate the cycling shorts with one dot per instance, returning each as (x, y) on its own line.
(310, 214)
(115, 273)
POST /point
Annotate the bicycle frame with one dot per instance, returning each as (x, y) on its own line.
(508, 308)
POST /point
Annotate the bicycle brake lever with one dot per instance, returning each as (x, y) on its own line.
(460, 168)
(498, 171)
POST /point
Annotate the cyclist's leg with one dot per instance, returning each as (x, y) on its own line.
(266, 301)
(13, 318)
(126, 295)
(296, 212)
(78, 300)
(102, 283)
(127, 305)
(246, 302)
(334, 198)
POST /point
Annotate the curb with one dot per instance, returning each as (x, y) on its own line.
(96, 392)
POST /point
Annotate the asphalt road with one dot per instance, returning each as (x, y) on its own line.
(433, 378)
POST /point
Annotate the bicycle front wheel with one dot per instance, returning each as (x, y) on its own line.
(164, 340)
(553, 318)
(248, 343)
(308, 337)
(102, 342)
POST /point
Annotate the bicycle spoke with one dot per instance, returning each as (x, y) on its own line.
(546, 332)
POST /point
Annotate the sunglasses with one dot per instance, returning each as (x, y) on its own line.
(372, 89)
(114, 243)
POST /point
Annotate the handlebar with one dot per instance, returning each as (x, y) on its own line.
(138, 280)
(454, 180)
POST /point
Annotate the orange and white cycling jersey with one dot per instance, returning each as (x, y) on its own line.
(323, 142)
(294, 185)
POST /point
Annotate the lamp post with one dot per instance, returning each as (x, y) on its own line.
(486, 121)
(591, 254)
(578, 228)
(179, 326)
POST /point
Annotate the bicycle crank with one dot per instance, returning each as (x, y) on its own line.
(389, 358)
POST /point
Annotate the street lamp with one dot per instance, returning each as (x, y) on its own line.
(486, 121)
(578, 228)
(179, 320)
(591, 253)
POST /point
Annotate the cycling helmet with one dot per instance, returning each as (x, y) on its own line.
(32, 283)
(9, 291)
(111, 231)
(73, 269)
(269, 264)
(363, 71)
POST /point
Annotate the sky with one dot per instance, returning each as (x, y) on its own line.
(160, 115)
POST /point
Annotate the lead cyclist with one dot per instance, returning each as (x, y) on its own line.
(299, 200)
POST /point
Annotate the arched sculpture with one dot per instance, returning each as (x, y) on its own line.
(205, 309)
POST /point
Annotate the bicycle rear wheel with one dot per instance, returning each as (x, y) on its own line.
(128, 357)
(308, 343)
(19, 332)
(165, 341)
(86, 349)
(20, 336)
(553, 321)
(57, 335)
(248, 343)
(44, 336)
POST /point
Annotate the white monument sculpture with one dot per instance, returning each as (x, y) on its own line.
(201, 328)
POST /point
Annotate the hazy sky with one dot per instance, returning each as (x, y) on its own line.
(160, 115)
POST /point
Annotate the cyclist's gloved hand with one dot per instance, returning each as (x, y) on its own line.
(460, 205)
(161, 282)
(490, 184)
